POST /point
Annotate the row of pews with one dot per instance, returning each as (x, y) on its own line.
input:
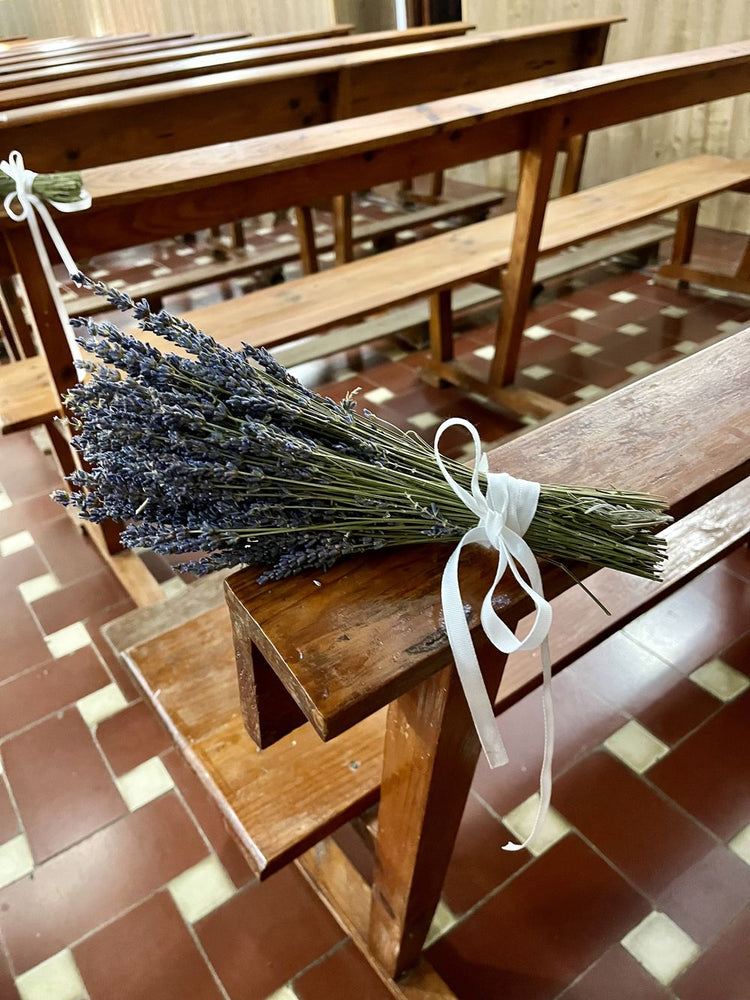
(172, 140)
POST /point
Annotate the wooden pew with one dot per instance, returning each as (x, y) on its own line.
(524, 50)
(78, 133)
(264, 174)
(284, 801)
(203, 56)
(102, 43)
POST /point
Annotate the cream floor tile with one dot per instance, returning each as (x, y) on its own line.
(687, 347)
(442, 922)
(15, 860)
(730, 326)
(639, 368)
(741, 844)
(424, 421)
(343, 375)
(5, 500)
(636, 746)
(284, 993)
(39, 586)
(537, 372)
(583, 314)
(144, 783)
(536, 332)
(56, 979)
(486, 353)
(631, 329)
(67, 640)
(379, 396)
(673, 312)
(588, 392)
(586, 350)
(662, 948)
(16, 543)
(720, 680)
(521, 821)
(101, 704)
(623, 297)
(201, 889)
(173, 586)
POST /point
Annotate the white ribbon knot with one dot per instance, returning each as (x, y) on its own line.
(503, 517)
(30, 205)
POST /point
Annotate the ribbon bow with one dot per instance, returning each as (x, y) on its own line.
(30, 206)
(503, 514)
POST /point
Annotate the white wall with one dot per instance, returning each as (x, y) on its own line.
(653, 27)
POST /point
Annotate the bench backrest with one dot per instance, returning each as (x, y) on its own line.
(38, 90)
(149, 67)
(100, 44)
(143, 121)
(141, 201)
(388, 603)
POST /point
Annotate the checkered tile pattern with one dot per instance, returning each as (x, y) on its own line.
(118, 880)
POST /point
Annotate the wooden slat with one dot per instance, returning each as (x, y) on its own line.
(189, 190)
(396, 641)
(282, 313)
(180, 115)
(101, 44)
(27, 397)
(115, 73)
(323, 785)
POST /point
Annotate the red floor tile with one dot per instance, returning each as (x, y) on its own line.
(724, 970)
(645, 837)
(545, 928)
(9, 825)
(582, 722)
(708, 773)
(89, 595)
(706, 898)
(24, 514)
(737, 655)
(209, 818)
(48, 688)
(131, 737)
(61, 784)
(120, 674)
(93, 882)
(21, 566)
(33, 472)
(8, 989)
(687, 628)
(284, 928)
(739, 562)
(343, 973)
(168, 966)
(616, 976)
(478, 863)
(635, 681)
(23, 645)
(69, 552)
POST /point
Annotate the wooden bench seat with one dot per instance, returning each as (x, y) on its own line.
(299, 308)
(27, 395)
(396, 653)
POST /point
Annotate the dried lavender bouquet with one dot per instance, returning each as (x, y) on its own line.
(226, 454)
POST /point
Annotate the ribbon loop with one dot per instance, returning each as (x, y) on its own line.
(504, 514)
(30, 209)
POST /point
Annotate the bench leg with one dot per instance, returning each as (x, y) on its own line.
(441, 327)
(21, 332)
(342, 226)
(574, 153)
(743, 268)
(431, 750)
(538, 165)
(303, 218)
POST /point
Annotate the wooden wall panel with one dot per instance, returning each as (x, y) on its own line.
(47, 18)
(653, 27)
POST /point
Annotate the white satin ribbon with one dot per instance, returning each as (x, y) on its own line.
(503, 517)
(31, 206)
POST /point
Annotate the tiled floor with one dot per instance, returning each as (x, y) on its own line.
(119, 882)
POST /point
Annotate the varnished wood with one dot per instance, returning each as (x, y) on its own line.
(276, 315)
(87, 63)
(684, 237)
(306, 236)
(350, 654)
(342, 228)
(431, 750)
(441, 326)
(28, 89)
(27, 395)
(537, 167)
(323, 785)
(169, 117)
